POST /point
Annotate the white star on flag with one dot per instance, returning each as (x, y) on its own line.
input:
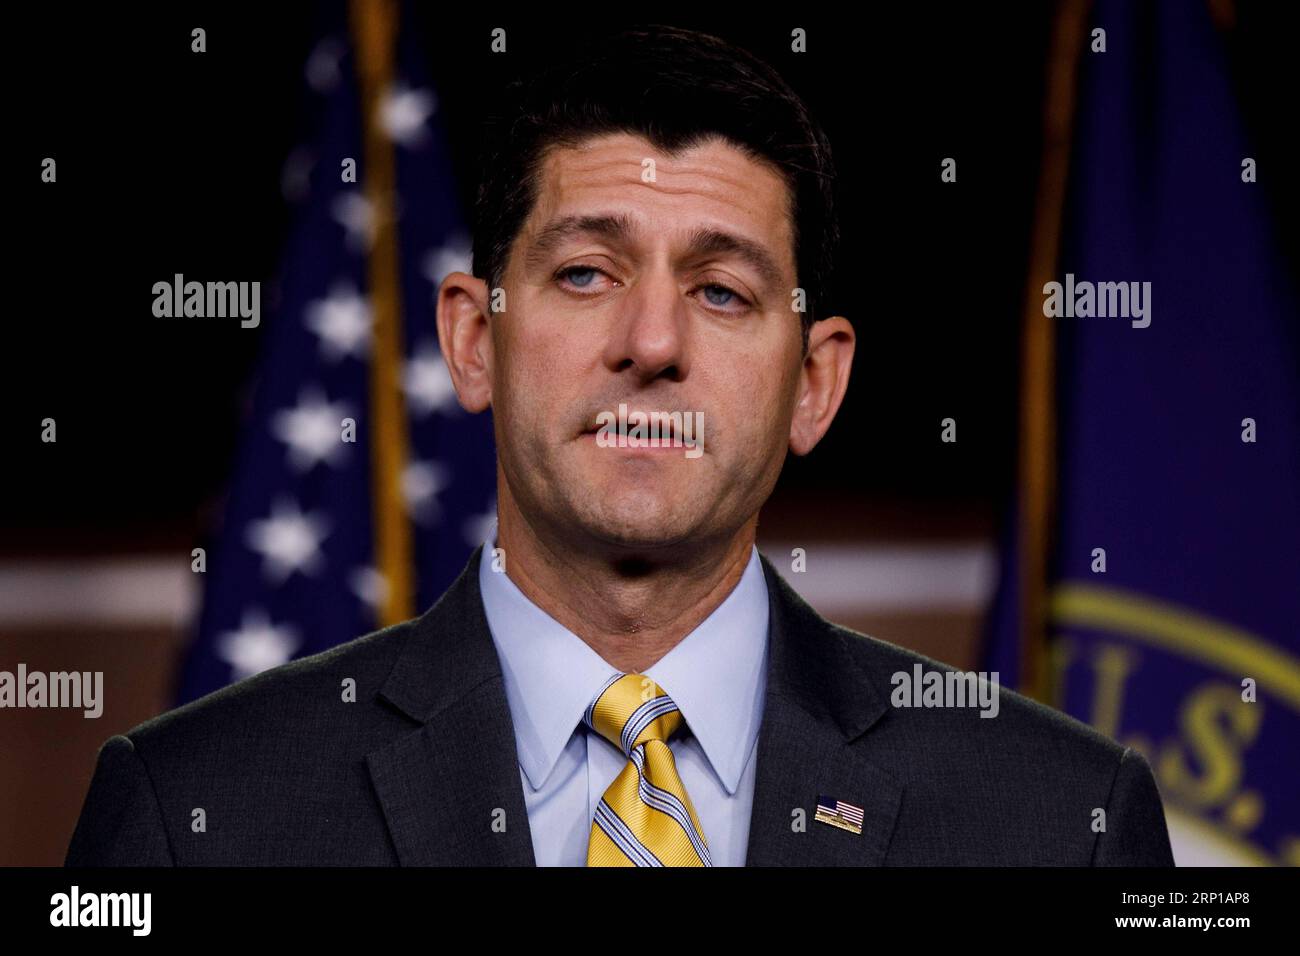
(427, 383)
(421, 483)
(342, 322)
(313, 430)
(322, 68)
(368, 584)
(476, 529)
(403, 113)
(456, 256)
(359, 219)
(295, 177)
(256, 646)
(288, 541)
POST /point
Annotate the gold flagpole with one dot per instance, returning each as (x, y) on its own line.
(374, 31)
(1037, 465)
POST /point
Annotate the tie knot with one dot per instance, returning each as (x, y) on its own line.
(631, 709)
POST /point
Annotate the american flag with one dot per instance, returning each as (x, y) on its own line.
(839, 811)
(291, 567)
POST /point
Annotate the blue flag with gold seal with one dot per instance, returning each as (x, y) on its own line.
(1174, 603)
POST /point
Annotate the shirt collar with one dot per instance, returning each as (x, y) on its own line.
(715, 675)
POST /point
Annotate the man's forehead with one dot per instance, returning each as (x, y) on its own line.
(714, 176)
(714, 155)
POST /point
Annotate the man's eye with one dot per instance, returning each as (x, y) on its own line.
(723, 296)
(578, 276)
(719, 294)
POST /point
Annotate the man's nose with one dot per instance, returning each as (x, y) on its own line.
(651, 335)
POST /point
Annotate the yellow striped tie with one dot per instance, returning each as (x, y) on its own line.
(645, 817)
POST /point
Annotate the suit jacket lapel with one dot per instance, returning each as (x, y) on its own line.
(819, 701)
(450, 788)
(444, 782)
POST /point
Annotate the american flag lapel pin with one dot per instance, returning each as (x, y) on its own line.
(839, 814)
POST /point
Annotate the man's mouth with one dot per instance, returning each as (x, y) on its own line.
(614, 430)
(635, 431)
(667, 427)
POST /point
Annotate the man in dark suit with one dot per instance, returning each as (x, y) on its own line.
(618, 677)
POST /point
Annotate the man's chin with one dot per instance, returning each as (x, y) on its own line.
(639, 529)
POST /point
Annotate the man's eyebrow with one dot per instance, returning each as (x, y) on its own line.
(614, 228)
(712, 242)
(704, 241)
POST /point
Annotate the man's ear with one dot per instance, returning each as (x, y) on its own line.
(822, 381)
(465, 337)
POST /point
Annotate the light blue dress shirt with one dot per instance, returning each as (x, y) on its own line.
(716, 675)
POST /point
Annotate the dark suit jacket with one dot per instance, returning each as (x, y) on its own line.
(415, 771)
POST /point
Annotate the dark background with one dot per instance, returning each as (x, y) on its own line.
(170, 162)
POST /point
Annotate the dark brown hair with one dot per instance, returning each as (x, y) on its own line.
(676, 88)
